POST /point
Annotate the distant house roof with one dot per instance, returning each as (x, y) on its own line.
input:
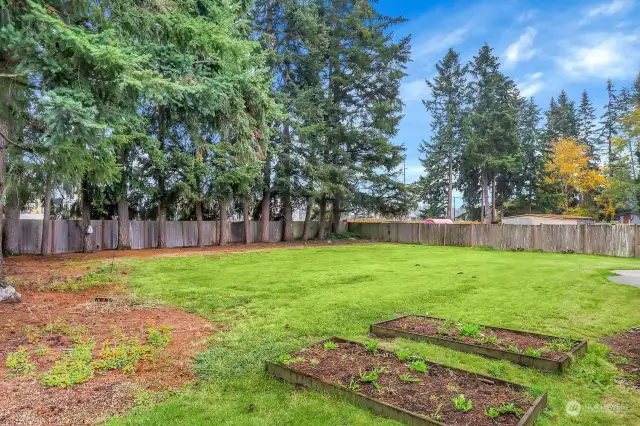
(553, 216)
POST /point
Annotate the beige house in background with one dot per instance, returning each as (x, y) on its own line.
(547, 219)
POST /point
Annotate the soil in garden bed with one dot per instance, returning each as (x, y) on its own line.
(495, 338)
(431, 396)
(625, 353)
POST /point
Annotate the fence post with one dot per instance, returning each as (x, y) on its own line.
(635, 240)
(585, 239)
(419, 233)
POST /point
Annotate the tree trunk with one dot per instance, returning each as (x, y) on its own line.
(322, 217)
(335, 219)
(200, 224)
(45, 245)
(286, 196)
(12, 225)
(266, 200)
(162, 225)
(307, 220)
(4, 131)
(124, 238)
(89, 245)
(224, 240)
(450, 210)
(493, 199)
(247, 223)
(485, 196)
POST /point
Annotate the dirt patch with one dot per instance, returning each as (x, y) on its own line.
(32, 325)
(381, 375)
(625, 353)
(495, 338)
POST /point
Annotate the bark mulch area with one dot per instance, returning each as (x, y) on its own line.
(489, 337)
(26, 401)
(625, 353)
(431, 396)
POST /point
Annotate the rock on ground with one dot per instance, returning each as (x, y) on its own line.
(9, 294)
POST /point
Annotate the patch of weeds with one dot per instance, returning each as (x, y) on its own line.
(74, 367)
(89, 280)
(314, 362)
(332, 346)
(372, 346)
(60, 326)
(619, 360)
(514, 349)
(533, 352)
(42, 351)
(558, 345)
(286, 359)
(418, 366)
(462, 404)
(447, 328)
(146, 398)
(504, 409)
(406, 377)
(470, 330)
(536, 391)
(593, 368)
(497, 370)
(159, 338)
(436, 414)
(31, 333)
(489, 339)
(20, 362)
(123, 356)
(402, 355)
(353, 385)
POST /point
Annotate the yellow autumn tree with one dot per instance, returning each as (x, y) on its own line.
(568, 166)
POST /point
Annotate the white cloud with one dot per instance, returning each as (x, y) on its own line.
(522, 49)
(604, 55)
(607, 9)
(531, 84)
(439, 42)
(415, 90)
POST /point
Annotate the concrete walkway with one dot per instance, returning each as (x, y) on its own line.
(630, 277)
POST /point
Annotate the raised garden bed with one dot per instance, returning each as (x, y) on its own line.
(625, 353)
(533, 350)
(408, 389)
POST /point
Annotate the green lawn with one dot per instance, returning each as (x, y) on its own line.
(278, 301)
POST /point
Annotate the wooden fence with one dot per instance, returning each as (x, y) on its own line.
(605, 240)
(66, 235)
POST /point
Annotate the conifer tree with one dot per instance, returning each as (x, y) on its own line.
(587, 126)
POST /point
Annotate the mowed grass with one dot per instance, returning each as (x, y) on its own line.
(275, 302)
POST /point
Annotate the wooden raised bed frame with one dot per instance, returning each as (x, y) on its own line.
(387, 410)
(580, 348)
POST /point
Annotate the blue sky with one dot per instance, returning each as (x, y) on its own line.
(545, 46)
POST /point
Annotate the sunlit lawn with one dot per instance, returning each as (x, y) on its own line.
(278, 301)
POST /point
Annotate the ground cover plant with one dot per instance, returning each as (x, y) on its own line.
(276, 302)
(492, 337)
(438, 392)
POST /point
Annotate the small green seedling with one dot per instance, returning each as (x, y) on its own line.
(42, 351)
(353, 385)
(462, 404)
(286, 359)
(533, 352)
(369, 377)
(504, 409)
(619, 360)
(559, 345)
(470, 330)
(372, 346)
(314, 362)
(19, 362)
(418, 366)
(402, 355)
(406, 377)
(332, 346)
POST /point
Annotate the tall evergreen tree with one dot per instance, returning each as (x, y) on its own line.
(493, 131)
(609, 123)
(532, 146)
(446, 107)
(586, 119)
